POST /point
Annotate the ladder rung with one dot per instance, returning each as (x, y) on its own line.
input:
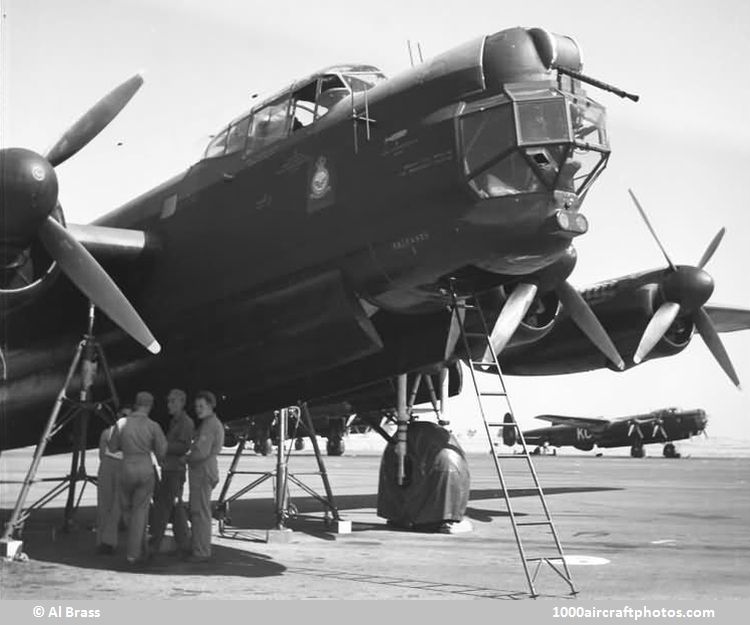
(476, 335)
(538, 558)
(483, 363)
(524, 456)
(492, 393)
(502, 425)
(527, 523)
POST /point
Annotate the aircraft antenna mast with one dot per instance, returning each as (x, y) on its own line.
(411, 56)
(419, 51)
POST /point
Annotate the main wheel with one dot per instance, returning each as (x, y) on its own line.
(637, 451)
(335, 446)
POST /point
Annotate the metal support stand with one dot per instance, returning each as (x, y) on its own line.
(283, 508)
(89, 355)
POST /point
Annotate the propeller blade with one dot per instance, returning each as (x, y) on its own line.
(93, 121)
(514, 309)
(651, 229)
(585, 319)
(711, 337)
(711, 248)
(634, 429)
(86, 273)
(656, 329)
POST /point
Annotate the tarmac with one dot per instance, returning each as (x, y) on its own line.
(631, 529)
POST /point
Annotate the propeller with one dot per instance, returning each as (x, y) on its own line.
(635, 428)
(93, 121)
(513, 312)
(521, 298)
(685, 290)
(659, 429)
(587, 322)
(29, 195)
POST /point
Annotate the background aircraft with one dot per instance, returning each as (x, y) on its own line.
(660, 426)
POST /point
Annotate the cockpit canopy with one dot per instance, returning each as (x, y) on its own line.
(296, 107)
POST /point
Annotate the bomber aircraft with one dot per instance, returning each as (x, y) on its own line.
(313, 252)
(658, 426)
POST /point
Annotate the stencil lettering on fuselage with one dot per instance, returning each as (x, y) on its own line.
(582, 434)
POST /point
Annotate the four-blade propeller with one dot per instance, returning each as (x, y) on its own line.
(685, 290)
(519, 301)
(29, 196)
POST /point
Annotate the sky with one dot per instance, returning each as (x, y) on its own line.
(684, 148)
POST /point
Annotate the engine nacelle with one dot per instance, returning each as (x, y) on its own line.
(539, 320)
(27, 276)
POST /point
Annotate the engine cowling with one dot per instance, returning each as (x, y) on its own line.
(27, 273)
(539, 320)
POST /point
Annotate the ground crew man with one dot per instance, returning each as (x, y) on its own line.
(138, 436)
(203, 473)
(108, 495)
(168, 494)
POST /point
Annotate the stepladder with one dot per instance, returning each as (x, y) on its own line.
(534, 531)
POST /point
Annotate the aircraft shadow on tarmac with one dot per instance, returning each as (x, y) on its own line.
(250, 518)
(257, 514)
(486, 515)
(45, 542)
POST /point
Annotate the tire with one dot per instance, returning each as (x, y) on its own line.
(335, 447)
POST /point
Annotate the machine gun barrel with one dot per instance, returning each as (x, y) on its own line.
(598, 83)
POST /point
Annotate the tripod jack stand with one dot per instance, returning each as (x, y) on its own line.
(89, 356)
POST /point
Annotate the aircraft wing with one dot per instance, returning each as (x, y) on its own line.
(588, 422)
(581, 422)
(728, 319)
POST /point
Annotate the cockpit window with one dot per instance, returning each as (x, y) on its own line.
(314, 100)
(268, 125)
(362, 81)
(237, 135)
(218, 145)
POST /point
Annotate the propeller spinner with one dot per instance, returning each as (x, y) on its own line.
(685, 290)
(28, 192)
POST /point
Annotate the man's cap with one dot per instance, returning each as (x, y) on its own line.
(145, 399)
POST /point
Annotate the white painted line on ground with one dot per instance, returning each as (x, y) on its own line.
(585, 560)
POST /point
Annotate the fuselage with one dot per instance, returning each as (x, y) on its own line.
(300, 259)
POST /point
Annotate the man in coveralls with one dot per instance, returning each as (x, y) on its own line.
(168, 494)
(203, 473)
(108, 495)
(137, 436)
